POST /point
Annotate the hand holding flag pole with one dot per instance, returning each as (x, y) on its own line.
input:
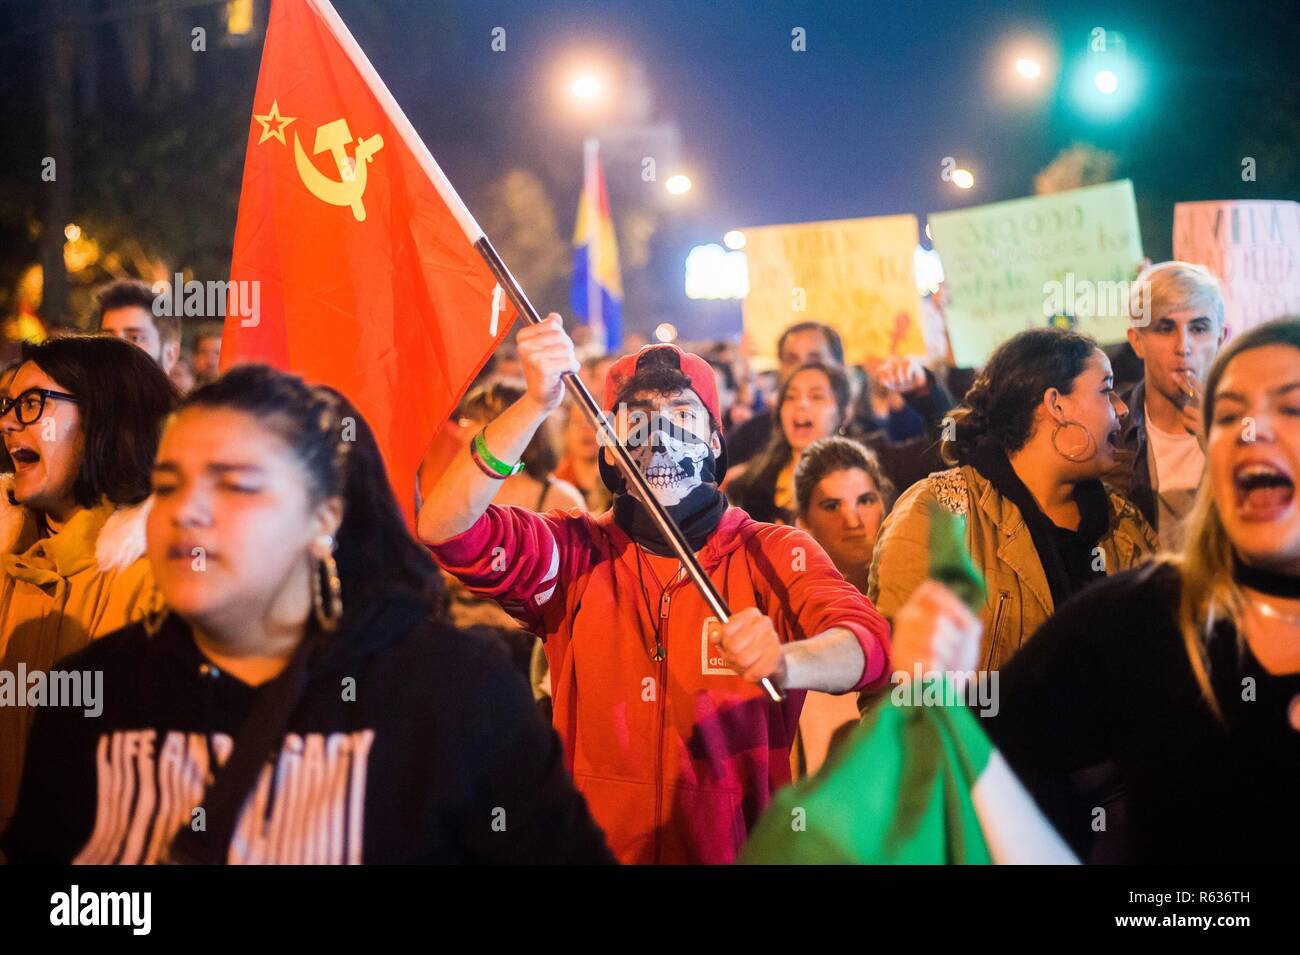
(291, 242)
(672, 533)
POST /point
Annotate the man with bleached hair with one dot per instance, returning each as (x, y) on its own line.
(1176, 327)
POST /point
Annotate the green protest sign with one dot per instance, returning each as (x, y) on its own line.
(1064, 258)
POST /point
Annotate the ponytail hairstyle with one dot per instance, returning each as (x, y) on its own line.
(1205, 565)
(375, 553)
(1001, 404)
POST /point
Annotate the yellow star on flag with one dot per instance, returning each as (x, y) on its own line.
(281, 122)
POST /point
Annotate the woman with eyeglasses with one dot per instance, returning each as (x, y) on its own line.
(80, 418)
(301, 689)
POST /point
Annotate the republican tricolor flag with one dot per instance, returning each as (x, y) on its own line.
(369, 276)
(597, 290)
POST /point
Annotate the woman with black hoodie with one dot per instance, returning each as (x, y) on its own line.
(299, 700)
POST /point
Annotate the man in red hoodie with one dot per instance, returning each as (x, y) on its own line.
(665, 728)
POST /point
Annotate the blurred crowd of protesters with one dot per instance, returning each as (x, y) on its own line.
(1141, 554)
(125, 309)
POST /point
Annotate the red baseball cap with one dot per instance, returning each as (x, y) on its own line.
(699, 371)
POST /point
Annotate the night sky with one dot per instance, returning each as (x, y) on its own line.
(856, 125)
(860, 122)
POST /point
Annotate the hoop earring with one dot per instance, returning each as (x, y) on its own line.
(1091, 446)
(327, 618)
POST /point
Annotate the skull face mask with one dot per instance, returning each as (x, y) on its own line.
(682, 472)
(674, 460)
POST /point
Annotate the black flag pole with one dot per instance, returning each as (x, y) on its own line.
(609, 439)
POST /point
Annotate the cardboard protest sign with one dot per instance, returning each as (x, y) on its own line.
(1253, 246)
(856, 275)
(1024, 263)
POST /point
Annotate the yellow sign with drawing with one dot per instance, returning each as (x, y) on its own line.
(856, 275)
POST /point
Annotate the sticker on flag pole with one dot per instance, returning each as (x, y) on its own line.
(497, 307)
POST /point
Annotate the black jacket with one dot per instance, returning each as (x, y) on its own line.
(1133, 478)
(413, 742)
(1107, 679)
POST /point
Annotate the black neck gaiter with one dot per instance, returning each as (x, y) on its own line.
(697, 515)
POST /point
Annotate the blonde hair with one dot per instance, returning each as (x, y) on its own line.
(1172, 286)
(1209, 592)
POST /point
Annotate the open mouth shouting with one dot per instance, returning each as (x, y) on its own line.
(802, 430)
(1263, 490)
(24, 458)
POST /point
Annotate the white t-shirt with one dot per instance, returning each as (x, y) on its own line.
(1177, 464)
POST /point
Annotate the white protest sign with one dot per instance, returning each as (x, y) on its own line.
(1253, 246)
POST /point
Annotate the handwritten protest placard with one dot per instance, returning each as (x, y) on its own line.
(1027, 262)
(856, 275)
(1253, 246)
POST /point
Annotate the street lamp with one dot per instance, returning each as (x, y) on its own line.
(1029, 69)
(963, 178)
(678, 184)
(734, 240)
(587, 87)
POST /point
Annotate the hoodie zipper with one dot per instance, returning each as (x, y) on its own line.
(661, 701)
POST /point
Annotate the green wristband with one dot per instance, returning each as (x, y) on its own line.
(492, 461)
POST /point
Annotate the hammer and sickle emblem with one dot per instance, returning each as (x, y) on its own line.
(333, 138)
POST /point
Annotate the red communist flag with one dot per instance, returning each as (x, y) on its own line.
(363, 254)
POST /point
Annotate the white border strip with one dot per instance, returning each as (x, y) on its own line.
(339, 29)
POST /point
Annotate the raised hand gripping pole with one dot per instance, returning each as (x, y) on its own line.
(635, 478)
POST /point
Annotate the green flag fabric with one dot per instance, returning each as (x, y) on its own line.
(950, 560)
(914, 784)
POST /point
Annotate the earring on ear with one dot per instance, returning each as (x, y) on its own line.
(154, 615)
(1089, 445)
(326, 588)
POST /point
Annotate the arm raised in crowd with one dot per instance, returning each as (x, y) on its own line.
(1063, 701)
(464, 491)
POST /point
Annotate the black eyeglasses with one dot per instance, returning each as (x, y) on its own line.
(30, 405)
